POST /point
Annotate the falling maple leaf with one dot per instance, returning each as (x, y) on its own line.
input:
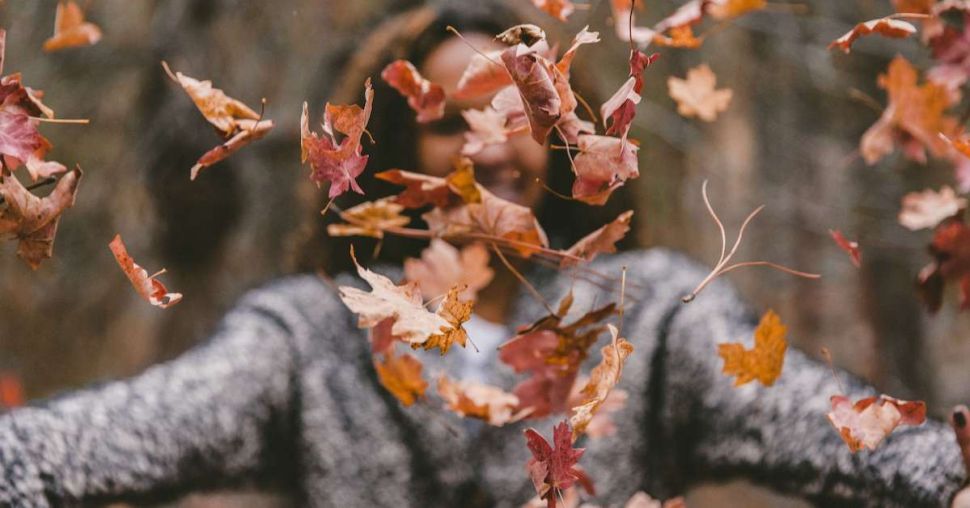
(602, 379)
(867, 422)
(485, 127)
(553, 469)
(370, 219)
(484, 74)
(604, 163)
(603, 240)
(11, 390)
(234, 121)
(926, 209)
(525, 34)
(559, 9)
(461, 181)
(914, 117)
(19, 137)
(950, 249)
(850, 247)
(337, 163)
(620, 109)
(425, 98)
(471, 399)
(679, 37)
(442, 266)
(765, 360)
(70, 29)
(552, 352)
(887, 27)
(412, 322)
(696, 95)
(401, 375)
(533, 78)
(727, 9)
(148, 287)
(20, 141)
(33, 220)
(420, 190)
(455, 312)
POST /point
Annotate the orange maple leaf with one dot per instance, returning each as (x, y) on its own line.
(70, 29)
(401, 375)
(915, 111)
(478, 400)
(765, 360)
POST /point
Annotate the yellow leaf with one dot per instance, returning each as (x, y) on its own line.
(764, 361)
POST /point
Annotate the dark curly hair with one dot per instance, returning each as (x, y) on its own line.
(412, 35)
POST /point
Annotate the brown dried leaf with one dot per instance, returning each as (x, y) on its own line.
(603, 240)
(887, 27)
(33, 220)
(602, 379)
(148, 287)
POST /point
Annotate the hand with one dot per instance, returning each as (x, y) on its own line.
(960, 421)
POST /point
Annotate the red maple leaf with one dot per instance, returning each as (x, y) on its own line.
(552, 468)
(337, 163)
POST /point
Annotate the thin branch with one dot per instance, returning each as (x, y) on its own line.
(722, 267)
(776, 266)
(720, 225)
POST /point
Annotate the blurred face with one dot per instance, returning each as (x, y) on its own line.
(509, 169)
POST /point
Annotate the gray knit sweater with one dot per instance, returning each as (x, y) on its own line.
(285, 391)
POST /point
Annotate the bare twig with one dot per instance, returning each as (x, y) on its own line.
(722, 267)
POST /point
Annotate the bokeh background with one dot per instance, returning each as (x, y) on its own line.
(788, 140)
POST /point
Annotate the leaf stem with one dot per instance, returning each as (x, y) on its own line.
(528, 285)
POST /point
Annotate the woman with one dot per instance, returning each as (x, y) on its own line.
(285, 389)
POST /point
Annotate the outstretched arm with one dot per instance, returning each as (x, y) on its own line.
(219, 412)
(695, 425)
(779, 435)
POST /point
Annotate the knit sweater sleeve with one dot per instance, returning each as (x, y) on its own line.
(214, 415)
(701, 426)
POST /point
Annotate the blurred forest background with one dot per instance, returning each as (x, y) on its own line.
(788, 140)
